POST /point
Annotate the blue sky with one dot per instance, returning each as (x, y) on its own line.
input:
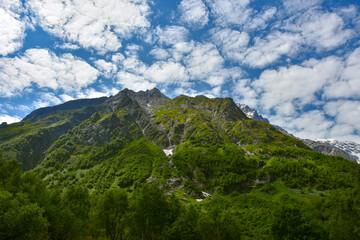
(295, 61)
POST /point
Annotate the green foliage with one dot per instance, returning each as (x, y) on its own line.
(290, 224)
(111, 209)
(224, 168)
(104, 175)
(21, 219)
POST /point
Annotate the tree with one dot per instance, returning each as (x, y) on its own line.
(21, 219)
(111, 209)
(76, 199)
(151, 212)
(290, 224)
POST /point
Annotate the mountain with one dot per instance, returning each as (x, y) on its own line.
(251, 113)
(138, 165)
(70, 105)
(352, 148)
(331, 147)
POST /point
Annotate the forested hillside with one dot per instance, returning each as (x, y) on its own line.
(143, 166)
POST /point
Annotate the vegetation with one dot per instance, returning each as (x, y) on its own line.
(104, 175)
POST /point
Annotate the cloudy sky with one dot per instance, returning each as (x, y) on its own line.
(295, 61)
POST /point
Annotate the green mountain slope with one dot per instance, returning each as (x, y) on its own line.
(226, 176)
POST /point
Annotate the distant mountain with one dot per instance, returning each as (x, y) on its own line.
(251, 113)
(350, 147)
(331, 147)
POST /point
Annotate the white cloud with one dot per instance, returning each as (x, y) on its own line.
(46, 70)
(349, 83)
(298, 5)
(68, 46)
(194, 13)
(296, 84)
(170, 35)
(108, 69)
(12, 26)
(347, 115)
(322, 30)
(285, 95)
(260, 20)
(133, 81)
(92, 93)
(345, 111)
(231, 42)
(206, 64)
(159, 53)
(46, 99)
(132, 49)
(268, 50)
(312, 124)
(66, 98)
(230, 12)
(244, 93)
(93, 24)
(9, 119)
(167, 72)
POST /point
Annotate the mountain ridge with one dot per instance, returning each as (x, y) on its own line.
(330, 147)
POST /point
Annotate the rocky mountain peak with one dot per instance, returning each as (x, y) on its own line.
(251, 113)
(146, 99)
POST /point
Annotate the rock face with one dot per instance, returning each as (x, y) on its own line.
(331, 147)
(352, 148)
(251, 113)
(328, 149)
(146, 99)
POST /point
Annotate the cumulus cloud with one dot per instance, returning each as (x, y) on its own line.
(93, 93)
(133, 81)
(170, 35)
(298, 5)
(167, 72)
(346, 114)
(322, 30)
(46, 99)
(244, 93)
(296, 84)
(348, 86)
(230, 12)
(232, 43)
(92, 24)
(297, 97)
(260, 20)
(312, 124)
(206, 64)
(268, 50)
(68, 46)
(194, 13)
(9, 119)
(12, 26)
(108, 69)
(45, 70)
(159, 53)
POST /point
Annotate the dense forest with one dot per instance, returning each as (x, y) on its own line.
(29, 210)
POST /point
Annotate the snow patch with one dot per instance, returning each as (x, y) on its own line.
(350, 147)
(205, 194)
(168, 152)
